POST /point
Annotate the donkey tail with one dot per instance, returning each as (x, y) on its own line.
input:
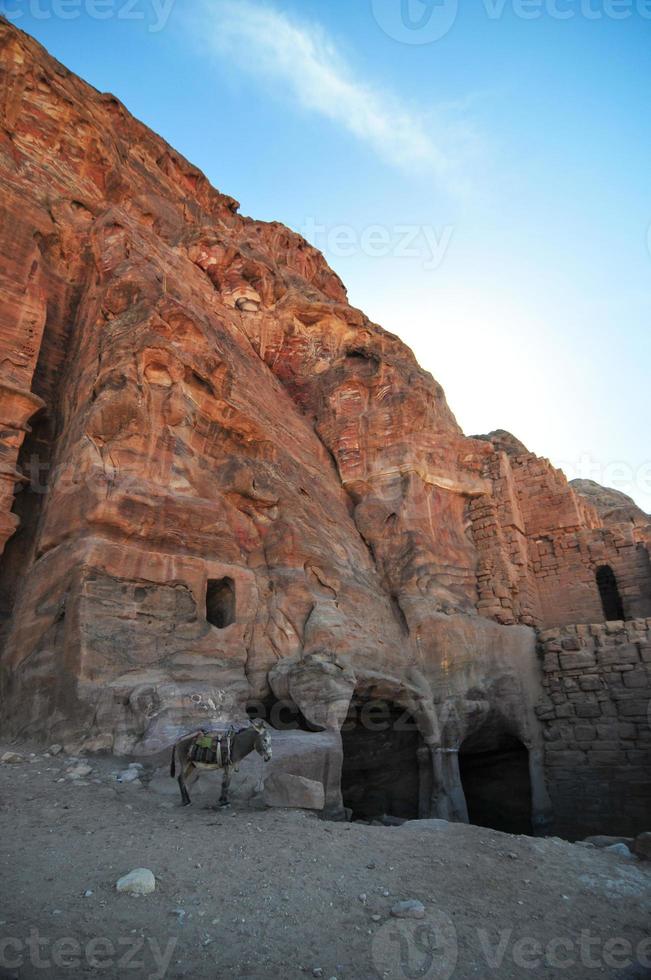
(173, 762)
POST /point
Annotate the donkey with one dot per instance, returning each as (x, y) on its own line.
(232, 749)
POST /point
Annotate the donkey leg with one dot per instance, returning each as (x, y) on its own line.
(226, 782)
(185, 776)
(185, 796)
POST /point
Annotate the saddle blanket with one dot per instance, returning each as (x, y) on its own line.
(211, 749)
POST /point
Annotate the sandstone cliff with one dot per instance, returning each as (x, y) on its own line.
(210, 409)
(613, 506)
(234, 487)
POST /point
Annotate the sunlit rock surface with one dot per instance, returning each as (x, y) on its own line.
(222, 486)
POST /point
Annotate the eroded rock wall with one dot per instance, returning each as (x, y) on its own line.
(234, 487)
(613, 506)
(212, 409)
(541, 545)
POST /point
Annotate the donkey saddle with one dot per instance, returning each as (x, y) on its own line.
(212, 749)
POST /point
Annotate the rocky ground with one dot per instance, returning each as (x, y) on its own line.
(255, 893)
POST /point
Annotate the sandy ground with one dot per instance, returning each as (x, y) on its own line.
(256, 893)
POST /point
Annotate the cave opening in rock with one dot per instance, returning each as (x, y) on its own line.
(30, 496)
(380, 773)
(611, 598)
(362, 362)
(220, 602)
(494, 768)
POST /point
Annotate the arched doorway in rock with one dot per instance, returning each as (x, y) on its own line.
(494, 769)
(381, 771)
(611, 599)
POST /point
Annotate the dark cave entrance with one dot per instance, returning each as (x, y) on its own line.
(611, 598)
(29, 496)
(220, 602)
(494, 768)
(380, 773)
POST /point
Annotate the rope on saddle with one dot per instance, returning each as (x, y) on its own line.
(213, 748)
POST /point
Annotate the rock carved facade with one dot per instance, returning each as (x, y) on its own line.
(221, 486)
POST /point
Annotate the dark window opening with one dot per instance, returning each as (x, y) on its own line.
(220, 602)
(380, 773)
(611, 599)
(494, 768)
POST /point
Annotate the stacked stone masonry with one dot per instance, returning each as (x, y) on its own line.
(596, 718)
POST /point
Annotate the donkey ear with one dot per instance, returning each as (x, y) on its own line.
(259, 724)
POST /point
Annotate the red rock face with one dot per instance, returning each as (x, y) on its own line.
(543, 546)
(235, 485)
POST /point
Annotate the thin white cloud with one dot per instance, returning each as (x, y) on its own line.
(306, 63)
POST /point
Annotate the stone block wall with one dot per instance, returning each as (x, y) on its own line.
(505, 580)
(596, 719)
(566, 567)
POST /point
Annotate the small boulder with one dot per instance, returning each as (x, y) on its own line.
(12, 758)
(621, 850)
(285, 790)
(55, 749)
(98, 743)
(79, 770)
(601, 840)
(410, 909)
(128, 776)
(140, 881)
(642, 846)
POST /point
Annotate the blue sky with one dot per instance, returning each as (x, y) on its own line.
(478, 174)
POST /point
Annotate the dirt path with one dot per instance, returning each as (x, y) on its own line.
(269, 893)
